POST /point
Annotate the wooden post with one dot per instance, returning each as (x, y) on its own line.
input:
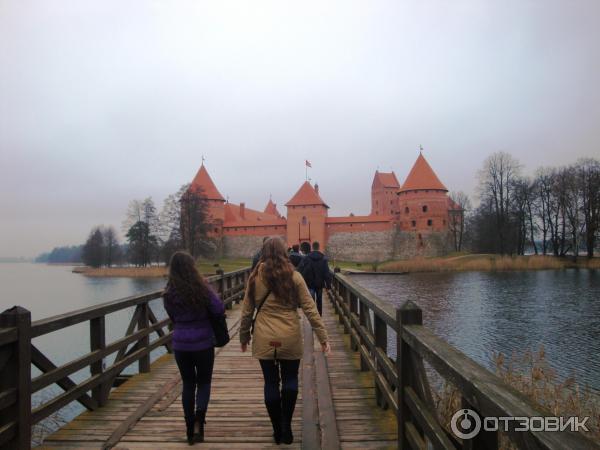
(98, 342)
(345, 299)
(221, 286)
(380, 342)
(485, 440)
(353, 308)
(408, 314)
(143, 323)
(363, 319)
(16, 374)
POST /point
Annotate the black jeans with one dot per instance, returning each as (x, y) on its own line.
(317, 295)
(271, 373)
(196, 370)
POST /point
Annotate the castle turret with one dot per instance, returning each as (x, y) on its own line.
(422, 200)
(204, 186)
(306, 214)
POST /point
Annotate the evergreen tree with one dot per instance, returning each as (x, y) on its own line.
(142, 244)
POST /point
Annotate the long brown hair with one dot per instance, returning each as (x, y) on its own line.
(187, 281)
(277, 272)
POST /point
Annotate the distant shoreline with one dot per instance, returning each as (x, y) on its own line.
(476, 262)
(127, 272)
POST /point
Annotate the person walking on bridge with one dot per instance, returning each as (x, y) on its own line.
(315, 269)
(189, 300)
(276, 291)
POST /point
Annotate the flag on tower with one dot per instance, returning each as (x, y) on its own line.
(307, 162)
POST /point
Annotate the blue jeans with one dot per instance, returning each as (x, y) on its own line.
(196, 374)
(317, 295)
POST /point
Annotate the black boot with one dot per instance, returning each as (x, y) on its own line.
(200, 421)
(189, 429)
(288, 403)
(274, 409)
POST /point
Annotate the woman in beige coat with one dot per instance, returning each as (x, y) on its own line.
(276, 292)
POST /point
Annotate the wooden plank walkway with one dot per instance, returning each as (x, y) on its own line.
(145, 412)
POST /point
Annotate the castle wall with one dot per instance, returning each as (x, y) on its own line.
(362, 246)
(254, 230)
(243, 246)
(411, 244)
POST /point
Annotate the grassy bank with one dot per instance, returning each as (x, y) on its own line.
(477, 262)
(205, 267)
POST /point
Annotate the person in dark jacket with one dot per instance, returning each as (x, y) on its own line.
(188, 299)
(315, 270)
(295, 256)
(305, 248)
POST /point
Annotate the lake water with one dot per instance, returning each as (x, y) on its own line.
(48, 290)
(483, 312)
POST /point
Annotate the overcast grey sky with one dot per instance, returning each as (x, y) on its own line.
(105, 101)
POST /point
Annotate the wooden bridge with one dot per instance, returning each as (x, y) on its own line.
(357, 397)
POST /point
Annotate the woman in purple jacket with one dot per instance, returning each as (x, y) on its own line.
(188, 299)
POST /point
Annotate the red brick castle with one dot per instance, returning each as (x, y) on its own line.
(405, 220)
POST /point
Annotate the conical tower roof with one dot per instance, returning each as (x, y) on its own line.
(203, 181)
(271, 208)
(306, 195)
(421, 177)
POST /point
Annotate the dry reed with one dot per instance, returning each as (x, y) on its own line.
(531, 375)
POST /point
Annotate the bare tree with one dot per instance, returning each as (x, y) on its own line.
(588, 173)
(496, 184)
(456, 224)
(111, 246)
(93, 250)
(194, 221)
(170, 223)
(542, 206)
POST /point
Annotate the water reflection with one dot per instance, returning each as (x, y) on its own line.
(484, 312)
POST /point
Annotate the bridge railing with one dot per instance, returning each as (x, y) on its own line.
(403, 385)
(18, 353)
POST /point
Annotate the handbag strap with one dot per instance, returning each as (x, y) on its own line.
(258, 310)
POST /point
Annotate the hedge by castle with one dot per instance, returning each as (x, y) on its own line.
(405, 220)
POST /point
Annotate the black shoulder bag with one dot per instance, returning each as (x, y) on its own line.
(219, 326)
(258, 310)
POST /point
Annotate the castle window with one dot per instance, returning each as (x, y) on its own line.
(406, 210)
(376, 202)
(444, 221)
(216, 230)
(413, 223)
(304, 220)
(391, 202)
(429, 222)
(424, 208)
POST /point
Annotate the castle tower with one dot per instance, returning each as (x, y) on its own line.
(384, 201)
(422, 200)
(203, 184)
(306, 214)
